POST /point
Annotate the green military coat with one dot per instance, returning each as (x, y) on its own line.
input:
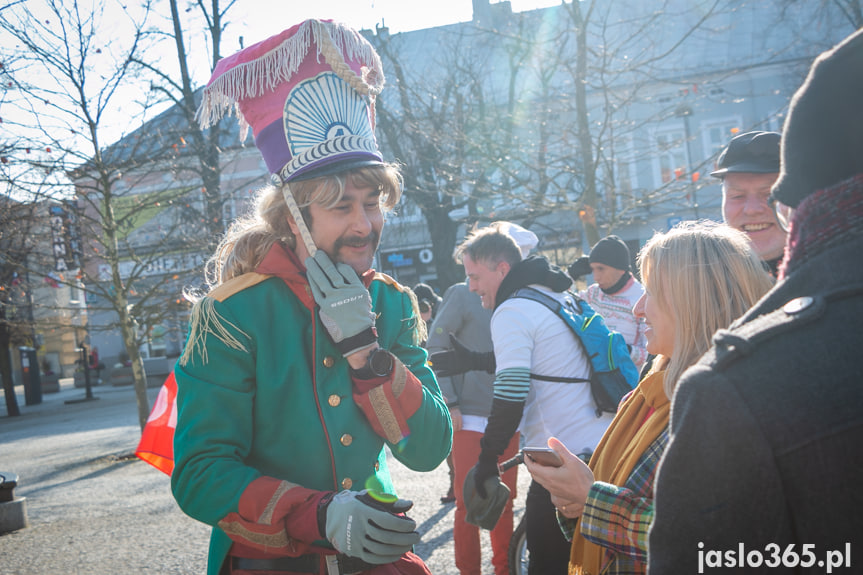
(262, 391)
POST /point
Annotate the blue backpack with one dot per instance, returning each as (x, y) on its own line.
(612, 372)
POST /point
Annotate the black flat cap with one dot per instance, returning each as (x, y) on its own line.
(750, 153)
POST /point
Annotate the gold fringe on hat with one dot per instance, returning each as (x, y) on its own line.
(255, 78)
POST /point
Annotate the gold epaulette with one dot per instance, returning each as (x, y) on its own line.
(236, 285)
(204, 320)
(382, 277)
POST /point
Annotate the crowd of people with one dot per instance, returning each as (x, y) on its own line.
(305, 368)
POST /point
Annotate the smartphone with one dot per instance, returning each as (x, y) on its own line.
(543, 456)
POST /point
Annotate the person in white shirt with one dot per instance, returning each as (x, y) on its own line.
(530, 344)
(462, 318)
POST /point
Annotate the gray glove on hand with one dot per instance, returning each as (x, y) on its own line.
(360, 526)
(346, 306)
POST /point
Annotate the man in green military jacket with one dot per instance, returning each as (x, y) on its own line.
(302, 362)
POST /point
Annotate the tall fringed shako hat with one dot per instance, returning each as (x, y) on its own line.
(308, 94)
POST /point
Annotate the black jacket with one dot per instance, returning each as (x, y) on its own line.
(766, 444)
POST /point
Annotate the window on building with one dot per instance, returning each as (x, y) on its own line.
(671, 161)
(717, 133)
(624, 184)
(624, 166)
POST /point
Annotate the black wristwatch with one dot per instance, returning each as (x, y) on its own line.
(379, 363)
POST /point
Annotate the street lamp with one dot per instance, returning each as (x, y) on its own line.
(83, 349)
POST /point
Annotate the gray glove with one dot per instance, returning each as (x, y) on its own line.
(360, 526)
(346, 306)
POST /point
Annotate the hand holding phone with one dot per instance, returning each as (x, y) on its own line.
(562, 474)
(543, 456)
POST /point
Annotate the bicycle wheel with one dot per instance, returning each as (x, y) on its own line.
(519, 558)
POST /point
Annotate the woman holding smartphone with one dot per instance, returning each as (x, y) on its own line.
(698, 278)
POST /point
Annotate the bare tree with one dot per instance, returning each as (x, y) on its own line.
(851, 10)
(617, 53)
(540, 115)
(473, 150)
(854, 11)
(175, 85)
(74, 72)
(16, 219)
(424, 128)
(150, 204)
(647, 64)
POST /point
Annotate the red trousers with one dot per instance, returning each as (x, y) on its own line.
(465, 453)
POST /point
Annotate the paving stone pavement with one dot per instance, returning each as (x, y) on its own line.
(94, 509)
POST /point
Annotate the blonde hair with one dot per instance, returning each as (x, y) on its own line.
(705, 275)
(249, 238)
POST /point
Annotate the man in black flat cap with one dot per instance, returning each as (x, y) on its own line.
(748, 168)
(763, 471)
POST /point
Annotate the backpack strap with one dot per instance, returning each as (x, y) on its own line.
(539, 297)
(557, 309)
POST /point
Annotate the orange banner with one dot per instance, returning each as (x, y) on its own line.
(157, 441)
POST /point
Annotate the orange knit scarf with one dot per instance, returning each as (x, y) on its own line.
(638, 423)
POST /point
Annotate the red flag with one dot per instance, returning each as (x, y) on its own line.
(157, 441)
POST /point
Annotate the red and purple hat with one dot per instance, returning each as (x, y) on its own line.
(308, 94)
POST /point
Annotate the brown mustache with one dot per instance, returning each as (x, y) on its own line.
(372, 239)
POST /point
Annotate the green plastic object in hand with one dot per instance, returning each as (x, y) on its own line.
(345, 303)
(365, 527)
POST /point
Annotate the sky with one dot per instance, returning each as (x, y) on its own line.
(249, 20)
(256, 20)
(398, 15)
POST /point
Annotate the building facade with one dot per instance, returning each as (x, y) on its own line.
(499, 118)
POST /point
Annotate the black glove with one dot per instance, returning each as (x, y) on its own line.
(460, 359)
(579, 268)
(486, 467)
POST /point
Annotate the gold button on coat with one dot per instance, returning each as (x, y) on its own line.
(347, 483)
(377, 465)
(329, 361)
(346, 439)
(334, 400)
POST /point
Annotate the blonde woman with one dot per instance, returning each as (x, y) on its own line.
(698, 278)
